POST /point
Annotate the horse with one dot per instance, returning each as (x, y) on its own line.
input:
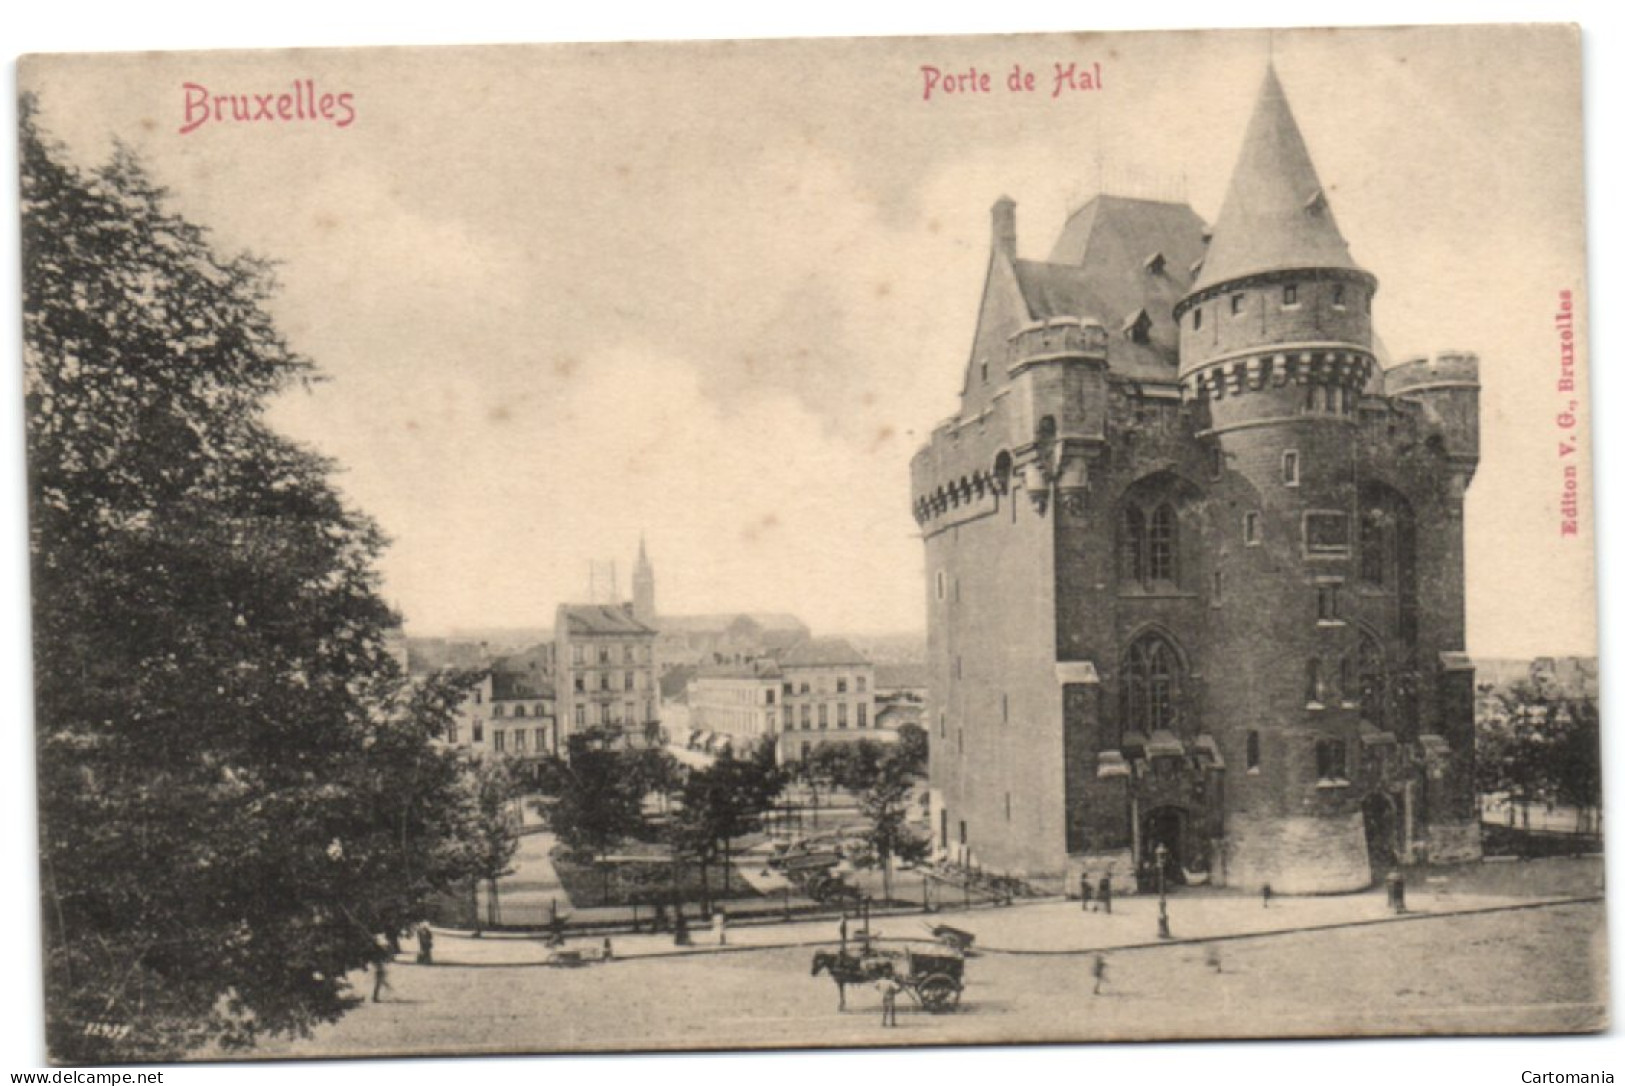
(844, 969)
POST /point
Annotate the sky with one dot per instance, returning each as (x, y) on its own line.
(717, 294)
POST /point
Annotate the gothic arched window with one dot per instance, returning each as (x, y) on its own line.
(1376, 540)
(1373, 681)
(1151, 680)
(1162, 547)
(1134, 544)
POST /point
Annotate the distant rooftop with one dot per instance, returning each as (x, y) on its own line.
(592, 619)
(822, 652)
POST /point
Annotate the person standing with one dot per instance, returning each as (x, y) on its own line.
(719, 923)
(1266, 893)
(425, 944)
(1086, 892)
(889, 987)
(1098, 968)
(380, 980)
(1106, 893)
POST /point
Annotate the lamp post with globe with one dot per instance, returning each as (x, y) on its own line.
(1162, 892)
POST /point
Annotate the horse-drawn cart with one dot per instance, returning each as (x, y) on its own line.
(933, 977)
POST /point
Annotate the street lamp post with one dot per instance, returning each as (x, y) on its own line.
(1162, 892)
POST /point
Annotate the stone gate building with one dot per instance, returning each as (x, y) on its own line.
(1194, 555)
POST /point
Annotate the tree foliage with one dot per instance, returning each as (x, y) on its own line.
(237, 791)
(723, 802)
(599, 802)
(914, 749)
(1540, 742)
(885, 803)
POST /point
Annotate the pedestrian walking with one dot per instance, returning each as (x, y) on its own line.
(1266, 893)
(380, 981)
(609, 951)
(681, 937)
(1214, 961)
(1106, 893)
(425, 945)
(1098, 968)
(843, 931)
(719, 924)
(889, 987)
(1086, 892)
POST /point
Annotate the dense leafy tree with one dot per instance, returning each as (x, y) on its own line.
(888, 836)
(914, 749)
(657, 772)
(600, 802)
(725, 801)
(492, 837)
(1540, 742)
(238, 795)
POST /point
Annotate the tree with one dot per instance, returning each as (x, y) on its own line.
(914, 749)
(600, 804)
(238, 794)
(885, 804)
(657, 772)
(493, 832)
(724, 801)
(1576, 760)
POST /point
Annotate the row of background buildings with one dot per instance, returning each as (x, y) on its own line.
(618, 673)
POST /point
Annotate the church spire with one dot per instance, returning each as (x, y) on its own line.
(643, 586)
(1275, 216)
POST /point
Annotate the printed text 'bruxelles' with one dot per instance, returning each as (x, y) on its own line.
(301, 102)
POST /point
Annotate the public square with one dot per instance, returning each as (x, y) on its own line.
(1484, 949)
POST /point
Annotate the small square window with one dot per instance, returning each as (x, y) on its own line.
(1326, 533)
(1237, 302)
(1289, 294)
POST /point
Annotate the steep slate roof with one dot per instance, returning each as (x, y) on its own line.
(1275, 215)
(591, 619)
(1103, 267)
(822, 652)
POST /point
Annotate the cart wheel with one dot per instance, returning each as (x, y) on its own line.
(938, 993)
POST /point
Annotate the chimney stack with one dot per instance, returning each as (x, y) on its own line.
(1004, 226)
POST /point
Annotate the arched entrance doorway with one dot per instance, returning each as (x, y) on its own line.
(1170, 828)
(1381, 817)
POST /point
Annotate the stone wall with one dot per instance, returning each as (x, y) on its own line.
(1298, 855)
(1454, 843)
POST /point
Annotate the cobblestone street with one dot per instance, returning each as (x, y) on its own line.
(1524, 964)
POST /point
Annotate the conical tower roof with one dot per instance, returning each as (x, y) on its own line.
(1275, 216)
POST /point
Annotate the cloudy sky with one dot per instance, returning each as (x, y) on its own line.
(719, 293)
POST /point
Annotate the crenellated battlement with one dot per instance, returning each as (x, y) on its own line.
(1448, 369)
(1445, 388)
(1336, 364)
(1059, 339)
